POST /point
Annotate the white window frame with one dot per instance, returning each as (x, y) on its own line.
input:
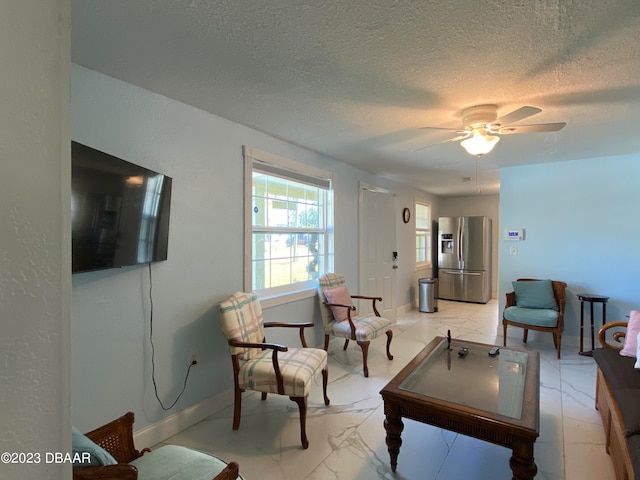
(296, 291)
(427, 263)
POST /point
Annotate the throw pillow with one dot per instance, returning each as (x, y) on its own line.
(637, 365)
(535, 294)
(82, 444)
(339, 295)
(630, 348)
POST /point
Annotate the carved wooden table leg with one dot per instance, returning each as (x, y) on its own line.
(521, 462)
(393, 426)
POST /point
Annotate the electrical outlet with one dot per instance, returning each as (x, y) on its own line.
(193, 358)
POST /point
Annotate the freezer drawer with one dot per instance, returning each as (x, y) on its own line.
(465, 286)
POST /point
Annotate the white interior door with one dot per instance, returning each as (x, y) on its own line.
(377, 231)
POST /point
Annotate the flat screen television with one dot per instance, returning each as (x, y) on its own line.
(119, 211)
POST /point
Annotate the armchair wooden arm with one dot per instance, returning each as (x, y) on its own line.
(373, 304)
(301, 326)
(350, 308)
(618, 336)
(511, 299)
(230, 472)
(263, 346)
(274, 359)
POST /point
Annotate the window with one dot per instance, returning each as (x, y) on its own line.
(423, 234)
(289, 225)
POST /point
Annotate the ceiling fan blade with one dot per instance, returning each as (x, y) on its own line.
(457, 130)
(517, 115)
(454, 139)
(540, 127)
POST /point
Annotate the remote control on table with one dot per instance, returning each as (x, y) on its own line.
(494, 351)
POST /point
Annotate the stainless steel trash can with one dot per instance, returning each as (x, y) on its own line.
(428, 295)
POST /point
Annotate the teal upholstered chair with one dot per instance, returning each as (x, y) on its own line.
(341, 319)
(536, 305)
(269, 367)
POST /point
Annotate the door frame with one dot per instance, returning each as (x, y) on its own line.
(362, 276)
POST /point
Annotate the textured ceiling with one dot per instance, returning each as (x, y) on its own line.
(354, 79)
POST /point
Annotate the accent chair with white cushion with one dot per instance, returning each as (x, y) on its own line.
(536, 305)
(341, 318)
(269, 367)
(113, 456)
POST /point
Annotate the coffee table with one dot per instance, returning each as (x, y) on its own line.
(495, 399)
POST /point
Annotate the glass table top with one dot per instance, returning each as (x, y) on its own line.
(493, 384)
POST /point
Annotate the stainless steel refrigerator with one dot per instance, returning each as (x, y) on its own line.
(464, 258)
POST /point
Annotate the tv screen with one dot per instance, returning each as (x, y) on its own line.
(119, 211)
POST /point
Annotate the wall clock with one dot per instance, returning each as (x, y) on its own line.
(406, 215)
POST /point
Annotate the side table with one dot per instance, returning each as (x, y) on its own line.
(591, 299)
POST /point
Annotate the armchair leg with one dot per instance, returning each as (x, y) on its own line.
(504, 334)
(237, 407)
(389, 338)
(325, 379)
(365, 351)
(237, 393)
(558, 341)
(525, 335)
(326, 342)
(264, 395)
(302, 406)
(346, 343)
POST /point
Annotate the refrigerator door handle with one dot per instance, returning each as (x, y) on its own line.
(471, 274)
(460, 227)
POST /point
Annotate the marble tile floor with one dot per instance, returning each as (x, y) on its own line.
(347, 438)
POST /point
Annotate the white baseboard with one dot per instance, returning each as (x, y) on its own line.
(406, 308)
(158, 432)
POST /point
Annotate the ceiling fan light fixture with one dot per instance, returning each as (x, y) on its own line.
(479, 143)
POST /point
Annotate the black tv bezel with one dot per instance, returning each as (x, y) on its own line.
(99, 166)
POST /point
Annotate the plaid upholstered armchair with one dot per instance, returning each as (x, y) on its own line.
(268, 367)
(341, 319)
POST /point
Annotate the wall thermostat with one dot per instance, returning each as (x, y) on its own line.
(514, 234)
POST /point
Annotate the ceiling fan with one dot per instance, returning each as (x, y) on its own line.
(482, 125)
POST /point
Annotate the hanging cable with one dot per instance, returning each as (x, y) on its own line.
(153, 352)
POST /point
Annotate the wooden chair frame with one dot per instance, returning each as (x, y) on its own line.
(618, 336)
(559, 292)
(364, 345)
(300, 401)
(116, 437)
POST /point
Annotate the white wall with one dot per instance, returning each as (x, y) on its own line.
(478, 205)
(35, 258)
(111, 371)
(407, 273)
(581, 227)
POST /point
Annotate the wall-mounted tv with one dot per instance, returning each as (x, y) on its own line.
(119, 211)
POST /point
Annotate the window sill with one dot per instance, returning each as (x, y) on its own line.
(273, 300)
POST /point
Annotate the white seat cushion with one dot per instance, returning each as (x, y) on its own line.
(173, 462)
(368, 327)
(298, 366)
